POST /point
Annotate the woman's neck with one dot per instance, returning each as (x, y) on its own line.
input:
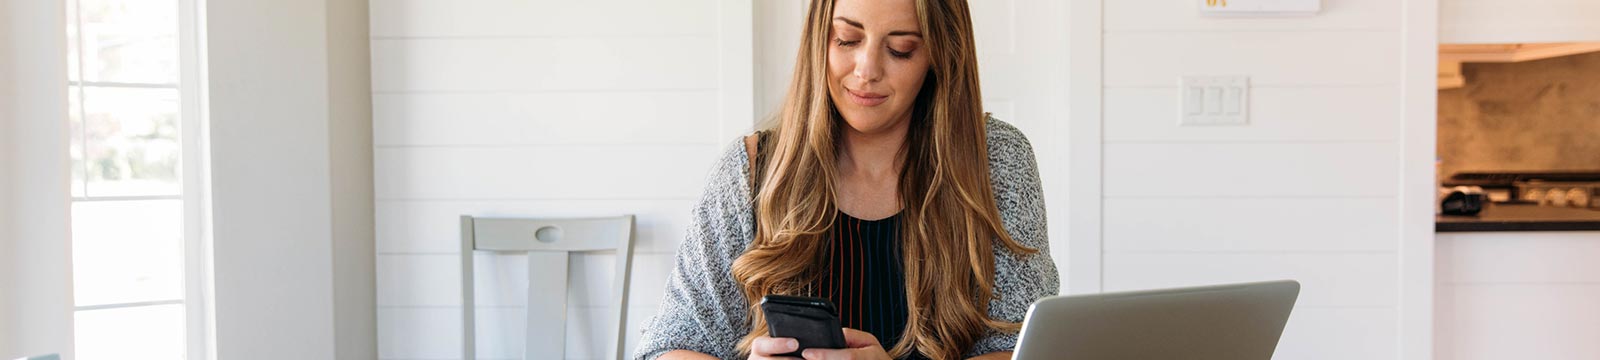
(873, 156)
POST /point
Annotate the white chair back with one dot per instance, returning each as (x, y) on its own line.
(548, 244)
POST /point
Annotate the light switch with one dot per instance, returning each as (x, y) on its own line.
(1230, 101)
(1215, 100)
(1193, 98)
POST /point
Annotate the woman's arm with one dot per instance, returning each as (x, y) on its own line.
(703, 311)
(685, 355)
(1001, 355)
(1020, 279)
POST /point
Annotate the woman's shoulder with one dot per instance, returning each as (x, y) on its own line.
(1010, 153)
(1013, 172)
(731, 169)
(1007, 140)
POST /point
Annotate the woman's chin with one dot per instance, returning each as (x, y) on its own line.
(868, 122)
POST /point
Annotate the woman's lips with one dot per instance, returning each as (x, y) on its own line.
(866, 98)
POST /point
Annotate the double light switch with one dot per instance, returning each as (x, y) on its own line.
(1215, 100)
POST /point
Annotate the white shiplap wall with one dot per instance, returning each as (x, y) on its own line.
(1307, 191)
(1524, 21)
(533, 108)
(1518, 295)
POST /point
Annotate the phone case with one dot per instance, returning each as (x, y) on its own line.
(811, 321)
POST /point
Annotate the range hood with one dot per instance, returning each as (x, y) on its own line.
(1452, 55)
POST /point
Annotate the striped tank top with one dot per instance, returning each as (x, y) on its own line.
(864, 277)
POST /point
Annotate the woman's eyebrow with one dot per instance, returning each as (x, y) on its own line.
(857, 24)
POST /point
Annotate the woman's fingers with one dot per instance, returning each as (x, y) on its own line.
(828, 354)
(868, 353)
(766, 347)
(859, 345)
(859, 339)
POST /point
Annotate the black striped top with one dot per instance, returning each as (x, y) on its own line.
(864, 277)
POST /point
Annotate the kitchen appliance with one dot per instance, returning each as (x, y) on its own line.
(1565, 189)
(1560, 193)
(1463, 200)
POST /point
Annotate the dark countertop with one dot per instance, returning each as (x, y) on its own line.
(1521, 217)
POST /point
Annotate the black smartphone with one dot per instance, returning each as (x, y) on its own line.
(812, 321)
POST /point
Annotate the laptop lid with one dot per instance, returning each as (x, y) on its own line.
(1218, 322)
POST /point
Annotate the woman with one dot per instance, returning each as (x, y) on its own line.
(882, 121)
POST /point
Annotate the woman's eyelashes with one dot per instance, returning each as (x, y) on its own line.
(898, 54)
(892, 52)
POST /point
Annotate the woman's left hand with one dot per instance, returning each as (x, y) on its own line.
(859, 345)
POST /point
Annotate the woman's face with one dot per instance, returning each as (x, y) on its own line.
(876, 62)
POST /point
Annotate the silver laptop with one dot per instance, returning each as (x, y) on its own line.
(1219, 322)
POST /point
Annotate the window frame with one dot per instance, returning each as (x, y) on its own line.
(193, 184)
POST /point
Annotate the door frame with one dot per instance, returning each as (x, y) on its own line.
(1419, 54)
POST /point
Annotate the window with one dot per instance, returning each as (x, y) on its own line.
(136, 198)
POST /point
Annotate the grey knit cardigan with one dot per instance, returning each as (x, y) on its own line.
(705, 310)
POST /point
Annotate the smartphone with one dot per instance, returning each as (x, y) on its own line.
(812, 321)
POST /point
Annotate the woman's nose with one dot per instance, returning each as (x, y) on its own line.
(869, 64)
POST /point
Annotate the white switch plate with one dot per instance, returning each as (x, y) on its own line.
(1214, 100)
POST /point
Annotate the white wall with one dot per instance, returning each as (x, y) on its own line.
(1518, 295)
(1307, 191)
(542, 109)
(36, 316)
(1493, 21)
(477, 109)
(291, 256)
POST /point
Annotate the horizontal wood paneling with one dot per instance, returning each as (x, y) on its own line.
(1250, 224)
(546, 118)
(1305, 191)
(544, 64)
(1276, 114)
(433, 226)
(1339, 334)
(500, 18)
(1269, 58)
(430, 333)
(1521, 257)
(1527, 21)
(591, 172)
(1524, 321)
(1518, 295)
(1251, 170)
(502, 280)
(529, 108)
(1168, 15)
(1327, 279)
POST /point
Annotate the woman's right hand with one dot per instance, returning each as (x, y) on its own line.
(765, 347)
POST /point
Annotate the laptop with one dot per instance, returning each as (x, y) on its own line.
(1218, 322)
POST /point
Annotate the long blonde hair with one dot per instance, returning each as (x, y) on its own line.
(951, 221)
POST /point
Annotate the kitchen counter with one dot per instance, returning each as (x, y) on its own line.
(1521, 217)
